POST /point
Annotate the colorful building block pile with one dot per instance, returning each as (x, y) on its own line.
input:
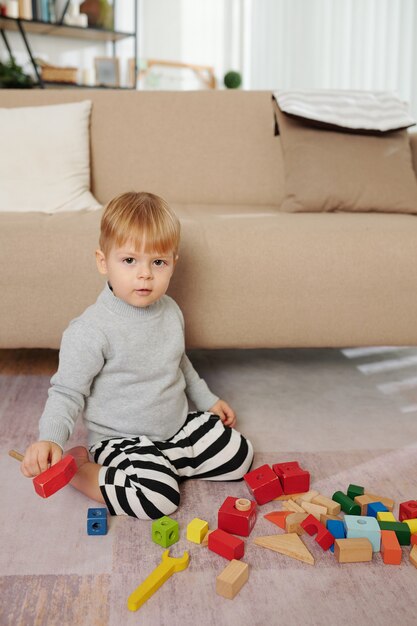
(352, 525)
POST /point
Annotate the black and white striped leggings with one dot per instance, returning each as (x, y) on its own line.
(141, 477)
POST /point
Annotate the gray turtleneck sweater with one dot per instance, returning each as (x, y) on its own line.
(126, 368)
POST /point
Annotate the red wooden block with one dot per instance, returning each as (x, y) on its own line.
(226, 545)
(390, 548)
(278, 517)
(293, 478)
(263, 484)
(56, 477)
(408, 510)
(232, 520)
(324, 538)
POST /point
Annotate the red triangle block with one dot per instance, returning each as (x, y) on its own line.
(278, 517)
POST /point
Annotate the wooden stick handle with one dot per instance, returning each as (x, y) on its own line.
(16, 455)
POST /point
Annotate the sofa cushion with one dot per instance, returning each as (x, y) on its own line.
(45, 158)
(327, 170)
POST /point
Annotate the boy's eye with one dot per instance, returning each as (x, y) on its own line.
(129, 260)
(159, 262)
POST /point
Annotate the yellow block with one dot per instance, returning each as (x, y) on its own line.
(385, 516)
(412, 523)
(197, 530)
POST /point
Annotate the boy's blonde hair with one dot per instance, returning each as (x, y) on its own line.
(140, 217)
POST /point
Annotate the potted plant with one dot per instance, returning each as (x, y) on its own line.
(13, 77)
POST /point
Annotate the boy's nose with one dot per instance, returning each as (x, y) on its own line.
(144, 272)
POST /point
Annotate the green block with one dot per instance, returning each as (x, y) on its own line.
(165, 531)
(348, 505)
(401, 530)
(355, 490)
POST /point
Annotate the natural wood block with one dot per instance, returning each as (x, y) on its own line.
(206, 536)
(353, 550)
(413, 555)
(293, 523)
(290, 496)
(333, 508)
(290, 505)
(307, 497)
(363, 502)
(325, 518)
(232, 579)
(389, 503)
(315, 509)
(290, 544)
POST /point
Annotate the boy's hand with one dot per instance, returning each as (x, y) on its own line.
(39, 456)
(225, 412)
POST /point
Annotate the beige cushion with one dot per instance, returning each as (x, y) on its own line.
(326, 170)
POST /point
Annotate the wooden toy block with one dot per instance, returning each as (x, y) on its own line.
(408, 510)
(314, 509)
(205, 540)
(337, 529)
(353, 550)
(263, 484)
(165, 531)
(233, 519)
(376, 507)
(325, 518)
(413, 539)
(289, 496)
(363, 502)
(382, 516)
(53, 479)
(332, 507)
(293, 478)
(97, 521)
(389, 503)
(355, 490)
(197, 530)
(401, 530)
(232, 579)
(165, 569)
(367, 527)
(412, 525)
(413, 555)
(289, 544)
(290, 505)
(348, 505)
(293, 523)
(390, 548)
(278, 517)
(226, 545)
(312, 526)
(307, 497)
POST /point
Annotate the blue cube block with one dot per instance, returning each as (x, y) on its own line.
(97, 522)
(374, 508)
(337, 529)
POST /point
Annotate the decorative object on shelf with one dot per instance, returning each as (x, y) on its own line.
(232, 80)
(107, 71)
(73, 17)
(12, 8)
(55, 74)
(13, 77)
(100, 13)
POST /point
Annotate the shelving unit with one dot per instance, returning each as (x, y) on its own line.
(59, 29)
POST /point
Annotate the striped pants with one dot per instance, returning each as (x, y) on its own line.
(141, 477)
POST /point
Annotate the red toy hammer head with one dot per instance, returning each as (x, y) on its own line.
(54, 478)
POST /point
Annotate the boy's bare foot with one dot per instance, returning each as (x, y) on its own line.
(80, 455)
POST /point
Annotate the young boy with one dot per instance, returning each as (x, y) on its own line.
(123, 364)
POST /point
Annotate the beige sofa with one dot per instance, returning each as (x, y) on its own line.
(249, 275)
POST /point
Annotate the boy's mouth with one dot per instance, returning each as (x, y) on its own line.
(143, 291)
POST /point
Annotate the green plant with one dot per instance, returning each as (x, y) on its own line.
(232, 80)
(13, 77)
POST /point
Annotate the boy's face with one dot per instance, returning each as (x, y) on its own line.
(136, 277)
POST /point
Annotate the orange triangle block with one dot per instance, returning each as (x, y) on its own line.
(289, 544)
(278, 517)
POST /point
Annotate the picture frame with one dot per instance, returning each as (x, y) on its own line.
(107, 71)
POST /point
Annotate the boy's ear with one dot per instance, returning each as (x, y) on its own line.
(101, 262)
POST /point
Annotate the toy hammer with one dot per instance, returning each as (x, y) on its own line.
(157, 578)
(54, 478)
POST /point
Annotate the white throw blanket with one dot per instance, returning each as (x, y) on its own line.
(359, 110)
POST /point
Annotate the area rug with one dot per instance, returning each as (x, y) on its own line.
(53, 573)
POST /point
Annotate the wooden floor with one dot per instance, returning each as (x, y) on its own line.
(24, 361)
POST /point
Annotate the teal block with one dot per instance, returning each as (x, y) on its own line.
(364, 526)
(165, 531)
